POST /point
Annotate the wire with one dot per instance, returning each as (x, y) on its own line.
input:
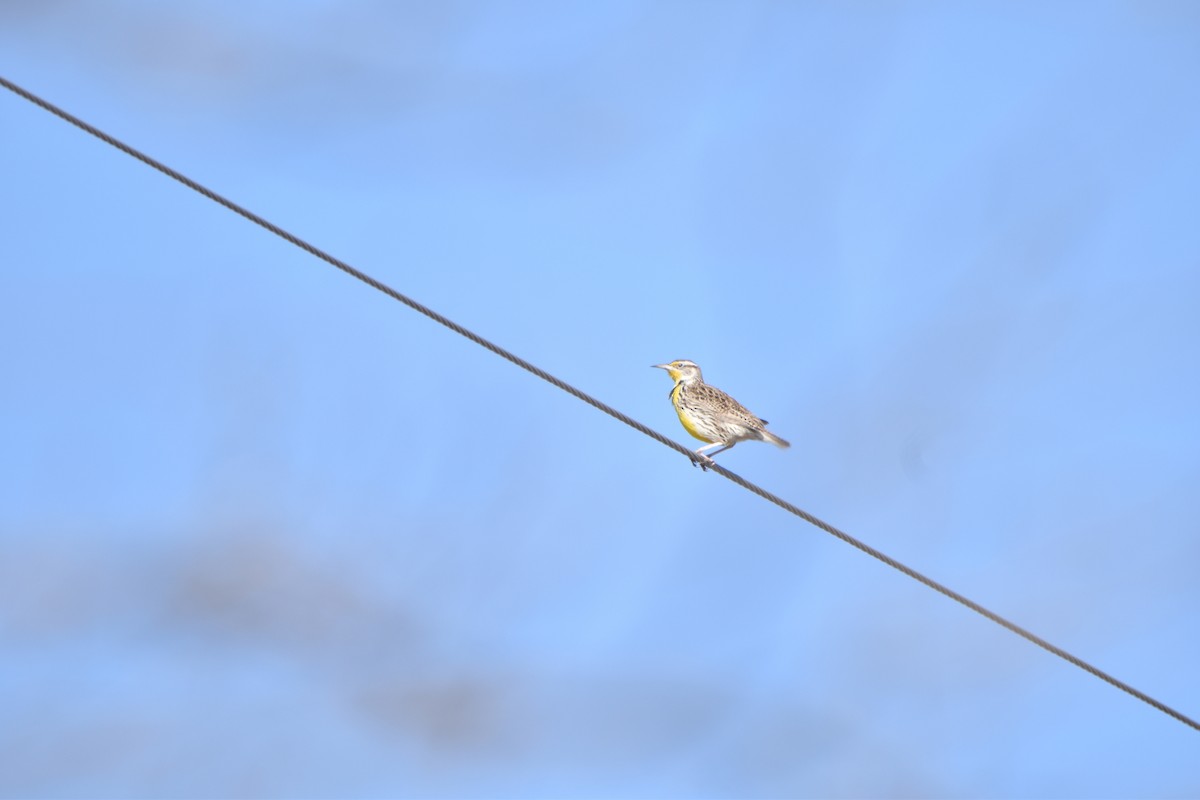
(607, 409)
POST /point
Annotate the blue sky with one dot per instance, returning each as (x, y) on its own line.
(266, 532)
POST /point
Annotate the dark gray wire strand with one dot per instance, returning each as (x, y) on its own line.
(607, 409)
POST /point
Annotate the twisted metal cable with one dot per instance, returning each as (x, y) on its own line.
(607, 409)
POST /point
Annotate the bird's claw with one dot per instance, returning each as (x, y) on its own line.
(702, 461)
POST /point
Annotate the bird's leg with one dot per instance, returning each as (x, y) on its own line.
(722, 445)
(705, 461)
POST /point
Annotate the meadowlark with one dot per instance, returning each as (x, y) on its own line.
(711, 415)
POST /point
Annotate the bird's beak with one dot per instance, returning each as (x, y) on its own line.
(660, 366)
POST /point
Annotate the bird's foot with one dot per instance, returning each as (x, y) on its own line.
(702, 461)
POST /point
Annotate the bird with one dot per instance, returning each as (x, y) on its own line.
(711, 415)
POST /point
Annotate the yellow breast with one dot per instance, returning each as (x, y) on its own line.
(686, 418)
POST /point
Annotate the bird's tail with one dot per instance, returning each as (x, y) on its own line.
(773, 439)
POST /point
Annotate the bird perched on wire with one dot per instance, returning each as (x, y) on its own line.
(711, 415)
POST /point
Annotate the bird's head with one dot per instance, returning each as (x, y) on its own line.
(682, 370)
